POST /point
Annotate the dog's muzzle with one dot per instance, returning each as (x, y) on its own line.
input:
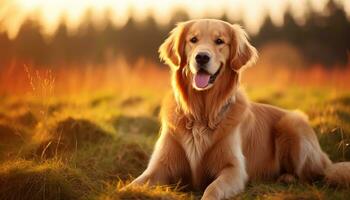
(202, 78)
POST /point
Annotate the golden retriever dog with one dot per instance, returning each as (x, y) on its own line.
(212, 137)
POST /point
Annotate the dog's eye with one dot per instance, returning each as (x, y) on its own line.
(219, 41)
(194, 40)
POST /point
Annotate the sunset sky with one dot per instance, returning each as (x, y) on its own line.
(251, 12)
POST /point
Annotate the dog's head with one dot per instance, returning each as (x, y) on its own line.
(205, 48)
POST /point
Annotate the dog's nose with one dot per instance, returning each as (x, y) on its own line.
(202, 58)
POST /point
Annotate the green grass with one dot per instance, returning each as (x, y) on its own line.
(88, 147)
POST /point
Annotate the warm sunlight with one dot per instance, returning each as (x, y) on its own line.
(50, 13)
(116, 99)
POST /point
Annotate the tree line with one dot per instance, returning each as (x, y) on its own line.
(322, 39)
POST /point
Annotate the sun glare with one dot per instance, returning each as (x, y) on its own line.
(251, 12)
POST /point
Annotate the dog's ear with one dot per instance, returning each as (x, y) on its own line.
(172, 51)
(242, 53)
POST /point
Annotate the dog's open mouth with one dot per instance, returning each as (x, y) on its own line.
(202, 78)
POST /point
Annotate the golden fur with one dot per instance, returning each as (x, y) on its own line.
(216, 139)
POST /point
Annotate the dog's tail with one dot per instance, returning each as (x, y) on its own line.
(338, 174)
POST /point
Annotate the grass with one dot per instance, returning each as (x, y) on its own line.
(51, 179)
(88, 146)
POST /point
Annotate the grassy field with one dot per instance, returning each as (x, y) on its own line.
(87, 146)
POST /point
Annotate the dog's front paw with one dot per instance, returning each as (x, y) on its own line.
(209, 198)
(210, 194)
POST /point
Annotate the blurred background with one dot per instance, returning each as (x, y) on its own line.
(81, 88)
(300, 42)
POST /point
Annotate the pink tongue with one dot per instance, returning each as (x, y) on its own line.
(201, 79)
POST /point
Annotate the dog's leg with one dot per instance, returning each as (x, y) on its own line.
(168, 163)
(232, 177)
(230, 182)
(298, 149)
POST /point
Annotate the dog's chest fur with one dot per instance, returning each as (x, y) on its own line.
(196, 142)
